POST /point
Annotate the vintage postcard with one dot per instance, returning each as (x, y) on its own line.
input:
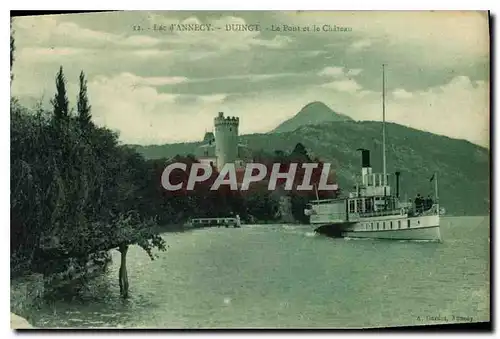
(250, 170)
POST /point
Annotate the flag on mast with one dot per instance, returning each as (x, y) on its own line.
(432, 178)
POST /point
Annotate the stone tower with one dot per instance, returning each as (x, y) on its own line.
(226, 139)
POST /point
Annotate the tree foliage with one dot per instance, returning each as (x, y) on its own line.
(83, 107)
(60, 100)
(12, 49)
(75, 191)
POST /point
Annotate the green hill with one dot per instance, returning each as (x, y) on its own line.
(311, 114)
(463, 167)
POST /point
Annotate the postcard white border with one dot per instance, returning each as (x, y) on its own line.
(184, 5)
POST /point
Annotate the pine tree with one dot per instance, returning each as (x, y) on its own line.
(60, 100)
(83, 107)
(299, 149)
(299, 153)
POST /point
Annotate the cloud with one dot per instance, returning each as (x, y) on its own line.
(312, 53)
(35, 55)
(152, 53)
(332, 71)
(360, 45)
(139, 40)
(50, 30)
(142, 114)
(38, 52)
(214, 98)
(439, 35)
(458, 108)
(401, 93)
(348, 85)
(339, 72)
(354, 72)
(140, 84)
(448, 31)
(278, 41)
(344, 81)
(135, 80)
(221, 39)
(250, 77)
(132, 86)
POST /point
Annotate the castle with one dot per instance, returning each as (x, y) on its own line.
(224, 146)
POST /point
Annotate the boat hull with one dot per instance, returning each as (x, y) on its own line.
(430, 233)
(394, 227)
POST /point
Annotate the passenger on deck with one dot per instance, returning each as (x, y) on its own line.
(428, 203)
(419, 201)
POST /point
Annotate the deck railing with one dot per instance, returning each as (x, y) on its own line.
(382, 213)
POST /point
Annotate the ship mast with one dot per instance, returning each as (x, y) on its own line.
(383, 127)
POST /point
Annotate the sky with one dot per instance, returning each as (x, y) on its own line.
(163, 86)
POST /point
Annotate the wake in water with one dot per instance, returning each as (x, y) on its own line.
(419, 240)
(298, 229)
(290, 227)
(349, 238)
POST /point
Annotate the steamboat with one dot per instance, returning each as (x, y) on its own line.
(372, 210)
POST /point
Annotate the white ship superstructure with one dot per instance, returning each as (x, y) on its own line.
(373, 211)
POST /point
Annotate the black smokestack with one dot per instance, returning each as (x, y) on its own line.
(397, 184)
(365, 157)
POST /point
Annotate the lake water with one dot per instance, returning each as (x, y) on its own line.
(279, 276)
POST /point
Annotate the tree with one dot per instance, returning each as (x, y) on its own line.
(260, 203)
(299, 153)
(76, 194)
(299, 149)
(12, 50)
(60, 100)
(280, 157)
(84, 117)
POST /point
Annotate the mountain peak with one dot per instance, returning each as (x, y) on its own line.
(315, 104)
(314, 113)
